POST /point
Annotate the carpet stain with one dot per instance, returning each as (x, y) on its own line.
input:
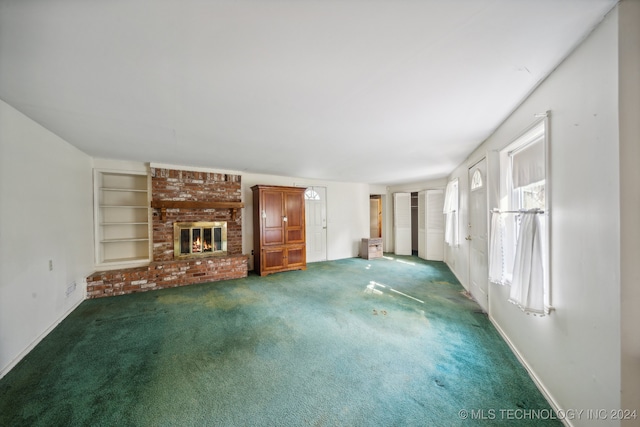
(467, 295)
(441, 282)
(240, 296)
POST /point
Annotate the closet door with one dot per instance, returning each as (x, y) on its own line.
(402, 223)
(422, 221)
(434, 225)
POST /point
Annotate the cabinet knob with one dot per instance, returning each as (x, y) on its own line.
(284, 218)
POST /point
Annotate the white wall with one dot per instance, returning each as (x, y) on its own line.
(629, 56)
(575, 351)
(46, 214)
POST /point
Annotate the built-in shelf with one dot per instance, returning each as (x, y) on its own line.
(122, 218)
(125, 239)
(124, 223)
(128, 190)
(123, 207)
(130, 260)
(163, 205)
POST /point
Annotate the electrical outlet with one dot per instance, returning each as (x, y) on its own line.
(50, 265)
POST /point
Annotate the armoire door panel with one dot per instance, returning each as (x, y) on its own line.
(271, 215)
(272, 207)
(272, 237)
(295, 236)
(295, 256)
(294, 209)
(274, 259)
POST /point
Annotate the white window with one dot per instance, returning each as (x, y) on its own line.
(476, 180)
(311, 194)
(450, 211)
(520, 229)
(526, 160)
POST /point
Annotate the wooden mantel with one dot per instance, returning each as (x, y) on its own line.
(163, 205)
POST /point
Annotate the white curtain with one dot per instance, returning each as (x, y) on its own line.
(528, 164)
(527, 286)
(502, 247)
(450, 211)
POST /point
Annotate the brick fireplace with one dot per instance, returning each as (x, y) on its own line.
(180, 196)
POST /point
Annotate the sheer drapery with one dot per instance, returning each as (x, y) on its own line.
(527, 164)
(502, 247)
(527, 286)
(451, 213)
(519, 263)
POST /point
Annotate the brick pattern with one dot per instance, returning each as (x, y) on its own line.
(165, 275)
(171, 184)
(165, 271)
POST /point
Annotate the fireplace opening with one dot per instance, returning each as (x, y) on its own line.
(199, 239)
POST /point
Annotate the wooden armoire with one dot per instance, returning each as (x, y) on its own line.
(278, 229)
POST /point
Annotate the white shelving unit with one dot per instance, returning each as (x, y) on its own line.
(122, 218)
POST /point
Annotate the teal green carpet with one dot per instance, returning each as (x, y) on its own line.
(385, 342)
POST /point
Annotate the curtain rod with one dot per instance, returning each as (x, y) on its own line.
(534, 211)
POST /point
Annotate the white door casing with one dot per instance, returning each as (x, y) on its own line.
(477, 234)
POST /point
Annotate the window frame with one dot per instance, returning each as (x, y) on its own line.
(508, 195)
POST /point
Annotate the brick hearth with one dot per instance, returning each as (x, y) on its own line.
(165, 271)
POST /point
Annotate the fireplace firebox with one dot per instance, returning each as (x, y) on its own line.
(199, 239)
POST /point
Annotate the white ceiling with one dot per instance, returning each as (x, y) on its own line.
(361, 91)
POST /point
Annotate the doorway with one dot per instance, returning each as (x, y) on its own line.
(415, 238)
(375, 217)
(477, 236)
(315, 199)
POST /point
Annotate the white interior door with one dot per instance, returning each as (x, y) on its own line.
(434, 225)
(316, 223)
(477, 236)
(422, 224)
(402, 223)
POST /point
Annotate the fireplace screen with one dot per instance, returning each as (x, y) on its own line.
(199, 239)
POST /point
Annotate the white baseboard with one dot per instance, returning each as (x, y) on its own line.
(532, 374)
(5, 369)
(455, 273)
